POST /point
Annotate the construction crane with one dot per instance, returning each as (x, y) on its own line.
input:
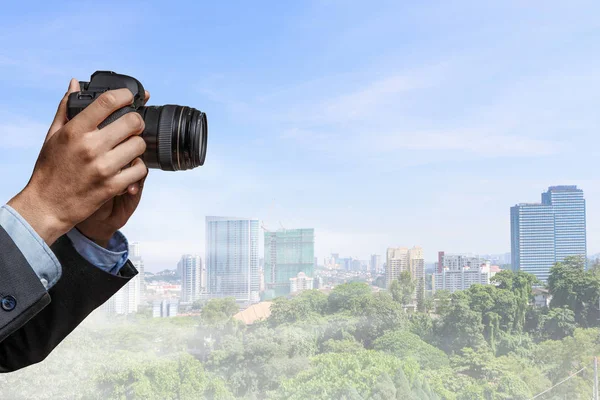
(269, 212)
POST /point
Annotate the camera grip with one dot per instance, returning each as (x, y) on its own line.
(116, 115)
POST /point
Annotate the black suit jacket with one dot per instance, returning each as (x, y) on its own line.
(41, 319)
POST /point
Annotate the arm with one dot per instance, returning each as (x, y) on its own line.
(80, 170)
(82, 288)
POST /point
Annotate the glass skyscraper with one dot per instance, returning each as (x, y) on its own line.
(193, 277)
(232, 258)
(287, 253)
(547, 232)
(569, 220)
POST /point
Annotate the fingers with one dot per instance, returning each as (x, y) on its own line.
(136, 188)
(133, 189)
(130, 176)
(60, 119)
(124, 154)
(101, 108)
(146, 97)
(112, 134)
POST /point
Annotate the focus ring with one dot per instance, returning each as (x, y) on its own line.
(165, 137)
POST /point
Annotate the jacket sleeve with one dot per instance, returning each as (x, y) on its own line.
(40, 319)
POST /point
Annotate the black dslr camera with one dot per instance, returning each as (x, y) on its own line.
(175, 136)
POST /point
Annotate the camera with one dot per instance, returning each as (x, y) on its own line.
(175, 136)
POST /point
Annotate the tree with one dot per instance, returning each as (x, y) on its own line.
(559, 322)
(197, 305)
(148, 377)
(284, 310)
(422, 325)
(342, 346)
(351, 297)
(331, 374)
(379, 282)
(380, 315)
(442, 300)
(396, 291)
(257, 361)
(403, 288)
(421, 307)
(384, 389)
(520, 284)
(460, 326)
(407, 287)
(573, 287)
(219, 310)
(407, 345)
(403, 389)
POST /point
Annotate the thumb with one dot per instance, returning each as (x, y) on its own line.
(60, 119)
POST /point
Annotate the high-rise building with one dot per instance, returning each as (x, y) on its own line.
(287, 253)
(455, 262)
(375, 264)
(301, 282)
(568, 204)
(128, 298)
(464, 277)
(135, 256)
(440, 263)
(401, 259)
(547, 232)
(134, 249)
(193, 277)
(232, 258)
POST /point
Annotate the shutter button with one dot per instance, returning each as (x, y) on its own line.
(8, 303)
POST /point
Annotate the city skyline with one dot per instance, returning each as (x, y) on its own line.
(428, 252)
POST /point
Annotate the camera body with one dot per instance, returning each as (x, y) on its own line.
(100, 82)
(175, 136)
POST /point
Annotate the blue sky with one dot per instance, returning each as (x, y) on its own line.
(377, 123)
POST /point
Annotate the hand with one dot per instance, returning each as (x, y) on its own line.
(81, 167)
(114, 214)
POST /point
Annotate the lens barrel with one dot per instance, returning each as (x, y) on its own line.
(175, 136)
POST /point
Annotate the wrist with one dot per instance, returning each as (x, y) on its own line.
(40, 216)
(102, 239)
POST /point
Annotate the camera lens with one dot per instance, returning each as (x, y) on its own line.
(175, 137)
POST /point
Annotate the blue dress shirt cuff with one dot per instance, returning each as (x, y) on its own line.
(110, 259)
(35, 250)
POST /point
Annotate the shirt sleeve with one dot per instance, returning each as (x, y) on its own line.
(35, 250)
(110, 259)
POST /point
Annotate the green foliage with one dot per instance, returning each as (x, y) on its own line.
(219, 310)
(142, 377)
(331, 374)
(459, 326)
(380, 314)
(421, 324)
(486, 342)
(257, 361)
(442, 299)
(559, 322)
(342, 346)
(352, 297)
(306, 306)
(403, 288)
(573, 287)
(405, 345)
